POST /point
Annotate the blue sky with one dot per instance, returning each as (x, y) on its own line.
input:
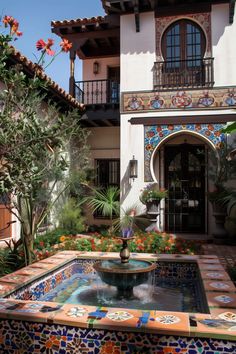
(35, 22)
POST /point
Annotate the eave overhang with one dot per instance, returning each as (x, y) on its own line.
(161, 7)
(91, 37)
(128, 6)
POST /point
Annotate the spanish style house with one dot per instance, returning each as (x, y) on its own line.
(158, 84)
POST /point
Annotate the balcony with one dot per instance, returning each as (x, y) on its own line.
(183, 74)
(97, 92)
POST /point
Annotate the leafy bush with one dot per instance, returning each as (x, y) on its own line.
(11, 257)
(70, 217)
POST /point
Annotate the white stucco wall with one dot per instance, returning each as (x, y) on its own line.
(223, 46)
(138, 52)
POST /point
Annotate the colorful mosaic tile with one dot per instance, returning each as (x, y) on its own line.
(153, 135)
(92, 325)
(119, 316)
(219, 285)
(168, 319)
(228, 316)
(224, 299)
(25, 337)
(76, 312)
(38, 288)
(179, 100)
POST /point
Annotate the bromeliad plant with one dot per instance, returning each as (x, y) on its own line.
(152, 193)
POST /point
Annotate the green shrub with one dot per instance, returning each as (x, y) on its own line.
(11, 258)
(70, 217)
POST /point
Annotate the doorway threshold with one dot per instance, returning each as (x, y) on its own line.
(199, 237)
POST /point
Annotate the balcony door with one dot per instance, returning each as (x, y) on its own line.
(183, 48)
(114, 84)
(185, 181)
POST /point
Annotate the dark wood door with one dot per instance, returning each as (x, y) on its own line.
(185, 181)
(5, 219)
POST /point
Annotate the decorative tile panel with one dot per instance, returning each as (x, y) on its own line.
(179, 99)
(153, 135)
(42, 286)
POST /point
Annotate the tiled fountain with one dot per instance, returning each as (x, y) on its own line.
(37, 318)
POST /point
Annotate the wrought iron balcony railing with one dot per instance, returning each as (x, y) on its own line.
(193, 73)
(97, 92)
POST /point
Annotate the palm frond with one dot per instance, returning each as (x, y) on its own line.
(105, 201)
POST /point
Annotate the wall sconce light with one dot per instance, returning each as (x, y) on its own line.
(133, 168)
(96, 68)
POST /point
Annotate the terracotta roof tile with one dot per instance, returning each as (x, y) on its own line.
(79, 21)
(35, 68)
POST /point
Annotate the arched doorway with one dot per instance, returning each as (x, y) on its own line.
(184, 171)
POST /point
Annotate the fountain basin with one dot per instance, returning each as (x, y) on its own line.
(124, 276)
(99, 328)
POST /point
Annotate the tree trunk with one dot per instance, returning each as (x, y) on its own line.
(28, 242)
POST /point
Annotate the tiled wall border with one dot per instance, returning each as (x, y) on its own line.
(221, 296)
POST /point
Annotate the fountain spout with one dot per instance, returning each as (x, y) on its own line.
(125, 253)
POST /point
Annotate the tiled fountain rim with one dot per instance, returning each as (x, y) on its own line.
(164, 322)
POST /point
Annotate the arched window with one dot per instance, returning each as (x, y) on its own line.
(183, 47)
(184, 40)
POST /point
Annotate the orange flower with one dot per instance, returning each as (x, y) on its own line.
(62, 238)
(45, 47)
(8, 20)
(14, 25)
(65, 45)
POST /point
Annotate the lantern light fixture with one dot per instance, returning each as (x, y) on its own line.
(96, 68)
(133, 168)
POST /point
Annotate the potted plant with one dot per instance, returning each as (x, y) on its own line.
(221, 170)
(151, 196)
